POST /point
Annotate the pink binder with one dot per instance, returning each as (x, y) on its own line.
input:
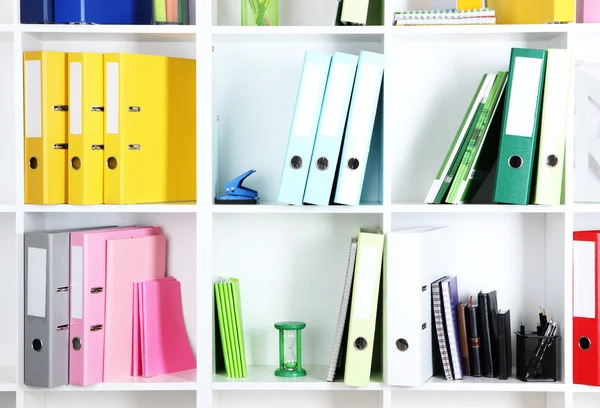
(127, 261)
(588, 11)
(87, 298)
(165, 347)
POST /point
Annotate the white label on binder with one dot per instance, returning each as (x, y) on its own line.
(335, 108)
(365, 286)
(584, 279)
(33, 98)
(308, 99)
(77, 282)
(112, 98)
(365, 99)
(524, 96)
(75, 98)
(36, 282)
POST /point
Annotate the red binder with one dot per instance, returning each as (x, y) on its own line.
(586, 308)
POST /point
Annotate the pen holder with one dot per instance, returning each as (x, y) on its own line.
(260, 12)
(530, 349)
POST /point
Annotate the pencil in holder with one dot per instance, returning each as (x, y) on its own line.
(260, 12)
(536, 357)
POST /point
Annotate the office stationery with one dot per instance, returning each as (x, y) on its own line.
(461, 318)
(445, 17)
(46, 321)
(474, 339)
(86, 128)
(587, 117)
(482, 149)
(45, 99)
(170, 12)
(455, 4)
(341, 330)
(236, 193)
(301, 140)
(144, 163)
(586, 308)
(588, 11)
(537, 355)
(520, 126)
(37, 11)
(449, 292)
(533, 11)
(359, 128)
(447, 171)
(330, 131)
(87, 300)
(363, 309)
(290, 349)
(355, 12)
(128, 260)
(412, 260)
(504, 345)
(165, 346)
(487, 317)
(228, 298)
(104, 12)
(555, 110)
(440, 341)
(260, 12)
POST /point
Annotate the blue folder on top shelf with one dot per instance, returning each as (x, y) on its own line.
(330, 132)
(304, 128)
(36, 11)
(127, 12)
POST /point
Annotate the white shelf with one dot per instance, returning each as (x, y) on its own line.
(481, 29)
(7, 208)
(586, 208)
(475, 208)
(585, 389)
(106, 208)
(275, 208)
(7, 379)
(324, 33)
(154, 33)
(6, 28)
(183, 381)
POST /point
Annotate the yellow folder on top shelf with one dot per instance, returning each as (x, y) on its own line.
(533, 11)
(150, 129)
(45, 110)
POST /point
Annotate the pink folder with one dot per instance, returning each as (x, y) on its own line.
(87, 298)
(128, 260)
(588, 11)
(165, 347)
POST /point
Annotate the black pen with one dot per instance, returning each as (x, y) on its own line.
(536, 360)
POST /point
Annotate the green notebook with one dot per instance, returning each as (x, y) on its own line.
(229, 314)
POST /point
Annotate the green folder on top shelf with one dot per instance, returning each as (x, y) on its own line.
(229, 313)
(466, 172)
(160, 10)
(443, 179)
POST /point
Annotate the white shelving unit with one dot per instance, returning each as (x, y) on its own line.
(291, 260)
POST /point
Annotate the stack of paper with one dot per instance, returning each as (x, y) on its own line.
(445, 17)
(229, 311)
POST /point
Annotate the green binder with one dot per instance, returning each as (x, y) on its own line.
(520, 126)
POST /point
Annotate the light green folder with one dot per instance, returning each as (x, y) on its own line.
(227, 292)
(363, 310)
(237, 299)
(160, 10)
(223, 329)
(354, 12)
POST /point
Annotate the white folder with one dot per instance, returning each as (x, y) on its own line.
(413, 259)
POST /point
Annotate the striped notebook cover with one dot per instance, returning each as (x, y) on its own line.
(438, 317)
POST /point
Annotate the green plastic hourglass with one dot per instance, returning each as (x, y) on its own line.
(290, 349)
(260, 12)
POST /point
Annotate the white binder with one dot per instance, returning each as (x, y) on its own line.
(413, 259)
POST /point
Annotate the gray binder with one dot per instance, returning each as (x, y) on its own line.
(46, 348)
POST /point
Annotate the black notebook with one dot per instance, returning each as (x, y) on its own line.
(474, 341)
(488, 327)
(504, 346)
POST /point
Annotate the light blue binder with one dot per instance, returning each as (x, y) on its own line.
(359, 128)
(304, 127)
(330, 132)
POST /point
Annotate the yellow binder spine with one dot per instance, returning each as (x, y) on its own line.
(112, 168)
(45, 146)
(533, 11)
(86, 128)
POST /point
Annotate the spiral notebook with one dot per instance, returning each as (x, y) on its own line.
(341, 331)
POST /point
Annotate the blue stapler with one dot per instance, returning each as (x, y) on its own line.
(235, 193)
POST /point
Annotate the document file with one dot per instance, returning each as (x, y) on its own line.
(46, 109)
(103, 12)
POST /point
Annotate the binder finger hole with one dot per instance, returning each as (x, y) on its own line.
(551, 161)
(402, 344)
(33, 163)
(353, 163)
(111, 163)
(584, 343)
(37, 345)
(296, 162)
(77, 343)
(76, 163)
(515, 162)
(360, 343)
(322, 163)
